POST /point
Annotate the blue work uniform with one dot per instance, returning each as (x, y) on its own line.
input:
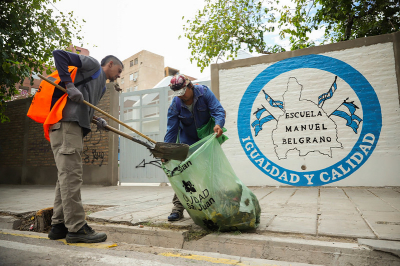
(205, 106)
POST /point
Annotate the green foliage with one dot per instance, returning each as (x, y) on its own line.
(29, 32)
(225, 26)
(341, 20)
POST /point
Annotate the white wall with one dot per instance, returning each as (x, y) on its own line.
(366, 78)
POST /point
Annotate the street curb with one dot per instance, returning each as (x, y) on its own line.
(253, 246)
(9, 222)
(150, 236)
(382, 245)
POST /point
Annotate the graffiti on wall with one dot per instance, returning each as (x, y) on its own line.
(309, 120)
(92, 151)
(143, 163)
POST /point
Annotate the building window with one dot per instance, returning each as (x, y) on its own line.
(136, 61)
(129, 89)
(131, 77)
(131, 63)
(122, 81)
(135, 88)
(136, 74)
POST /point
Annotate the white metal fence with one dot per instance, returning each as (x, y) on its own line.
(145, 111)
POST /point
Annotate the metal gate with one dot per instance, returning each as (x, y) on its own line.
(145, 111)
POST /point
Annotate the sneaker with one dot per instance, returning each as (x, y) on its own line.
(86, 235)
(175, 216)
(58, 231)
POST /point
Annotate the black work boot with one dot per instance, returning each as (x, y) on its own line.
(86, 235)
(175, 216)
(58, 231)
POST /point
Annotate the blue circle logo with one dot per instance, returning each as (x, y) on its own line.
(305, 126)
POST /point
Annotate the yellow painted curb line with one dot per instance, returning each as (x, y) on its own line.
(213, 260)
(86, 245)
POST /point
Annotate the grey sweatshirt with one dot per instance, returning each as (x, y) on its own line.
(92, 91)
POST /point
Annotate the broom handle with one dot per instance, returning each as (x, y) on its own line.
(116, 131)
(99, 110)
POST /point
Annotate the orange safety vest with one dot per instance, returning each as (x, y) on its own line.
(41, 110)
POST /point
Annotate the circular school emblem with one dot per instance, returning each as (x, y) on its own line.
(309, 120)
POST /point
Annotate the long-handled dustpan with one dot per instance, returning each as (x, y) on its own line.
(174, 151)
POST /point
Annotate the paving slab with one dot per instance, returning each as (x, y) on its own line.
(372, 204)
(392, 197)
(326, 193)
(300, 224)
(337, 205)
(304, 197)
(288, 209)
(261, 192)
(385, 224)
(344, 226)
(281, 195)
(357, 192)
(146, 214)
(265, 220)
(110, 212)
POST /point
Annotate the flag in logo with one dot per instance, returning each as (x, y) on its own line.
(346, 110)
(326, 96)
(272, 102)
(259, 122)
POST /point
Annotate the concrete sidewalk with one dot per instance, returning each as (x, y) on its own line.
(345, 212)
(305, 213)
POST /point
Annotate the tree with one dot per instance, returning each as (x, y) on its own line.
(225, 26)
(29, 32)
(341, 20)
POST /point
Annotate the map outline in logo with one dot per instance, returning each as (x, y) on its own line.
(362, 149)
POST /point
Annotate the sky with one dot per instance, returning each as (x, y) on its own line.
(125, 27)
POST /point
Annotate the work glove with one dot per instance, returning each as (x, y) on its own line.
(73, 93)
(101, 123)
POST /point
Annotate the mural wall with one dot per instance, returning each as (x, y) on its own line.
(329, 116)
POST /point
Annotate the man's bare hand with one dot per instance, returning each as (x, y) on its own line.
(218, 130)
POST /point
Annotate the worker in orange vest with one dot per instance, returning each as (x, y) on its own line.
(66, 121)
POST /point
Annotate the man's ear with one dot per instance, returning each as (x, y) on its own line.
(110, 64)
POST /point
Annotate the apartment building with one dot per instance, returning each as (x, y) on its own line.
(141, 71)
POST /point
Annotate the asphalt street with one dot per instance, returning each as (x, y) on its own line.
(22, 249)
